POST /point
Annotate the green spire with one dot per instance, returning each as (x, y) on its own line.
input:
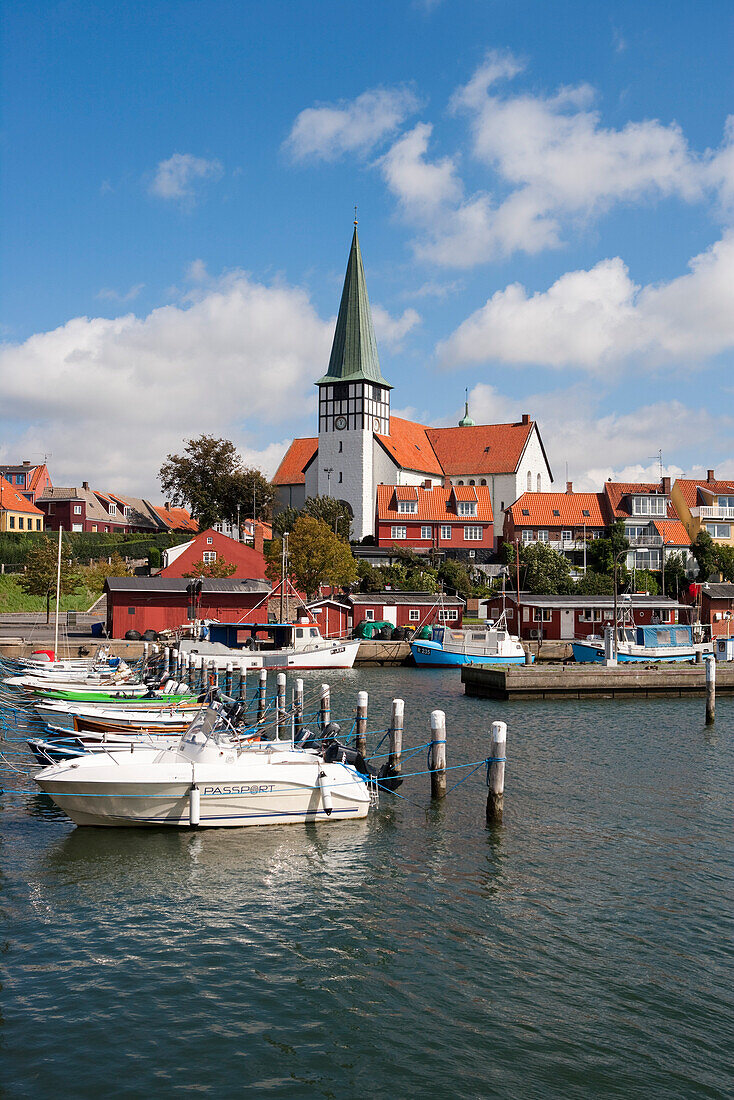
(466, 421)
(354, 351)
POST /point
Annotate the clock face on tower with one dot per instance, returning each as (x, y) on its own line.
(340, 423)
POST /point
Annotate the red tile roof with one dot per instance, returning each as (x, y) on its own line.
(176, 519)
(690, 487)
(38, 474)
(570, 506)
(672, 531)
(433, 505)
(465, 492)
(292, 470)
(13, 501)
(409, 445)
(483, 449)
(616, 491)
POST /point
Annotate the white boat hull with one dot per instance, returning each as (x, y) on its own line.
(337, 654)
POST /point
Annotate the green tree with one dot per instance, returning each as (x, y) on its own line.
(333, 512)
(219, 568)
(645, 581)
(316, 556)
(676, 577)
(453, 574)
(704, 549)
(39, 578)
(210, 479)
(600, 553)
(154, 558)
(98, 572)
(544, 571)
(595, 584)
(724, 558)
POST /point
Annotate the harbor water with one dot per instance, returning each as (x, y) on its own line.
(582, 949)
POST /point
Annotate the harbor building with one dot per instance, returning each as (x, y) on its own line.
(360, 445)
(17, 513)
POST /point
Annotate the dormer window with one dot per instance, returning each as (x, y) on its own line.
(127, 512)
(407, 506)
(112, 509)
(648, 506)
(526, 511)
(726, 502)
(466, 508)
(585, 512)
(556, 512)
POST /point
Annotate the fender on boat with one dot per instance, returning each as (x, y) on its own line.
(326, 799)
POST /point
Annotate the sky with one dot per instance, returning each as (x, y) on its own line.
(545, 195)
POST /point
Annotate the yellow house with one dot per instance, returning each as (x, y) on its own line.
(706, 505)
(16, 511)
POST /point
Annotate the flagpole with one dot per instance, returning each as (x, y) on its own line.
(58, 587)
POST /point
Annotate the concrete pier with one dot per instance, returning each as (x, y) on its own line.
(592, 681)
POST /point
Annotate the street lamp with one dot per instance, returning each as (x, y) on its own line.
(617, 559)
(328, 470)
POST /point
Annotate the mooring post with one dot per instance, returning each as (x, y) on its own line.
(280, 706)
(360, 743)
(496, 773)
(325, 708)
(228, 679)
(242, 683)
(146, 649)
(166, 661)
(528, 657)
(396, 738)
(437, 761)
(185, 674)
(262, 694)
(298, 708)
(699, 657)
(710, 690)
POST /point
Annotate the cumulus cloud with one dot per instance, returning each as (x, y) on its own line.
(391, 330)
(111, 397)
(110, 295)
(591, 319)
(176, 178)
(328, 131)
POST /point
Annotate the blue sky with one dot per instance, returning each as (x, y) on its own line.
(545, 197)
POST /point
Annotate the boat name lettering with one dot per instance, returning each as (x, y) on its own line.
(337, 649)
(239, 788)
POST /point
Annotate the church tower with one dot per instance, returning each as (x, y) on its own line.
(354, 403)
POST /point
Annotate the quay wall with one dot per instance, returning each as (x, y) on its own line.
(592, 681)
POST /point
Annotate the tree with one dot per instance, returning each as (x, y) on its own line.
(454, 575)
(154, 558)
(316, 556)
(595, 584)
(219, 568)
(333, 512)
(724, 558)
(675, 575)
(98, 573)
(703, 549)
(211, 480)
(601, 553)
(39, 578)
(645, 581)
(544, 570)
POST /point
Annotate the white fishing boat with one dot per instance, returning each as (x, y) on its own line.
(273, 646)
(491, 645)
(207, 780)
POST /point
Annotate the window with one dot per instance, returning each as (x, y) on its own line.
(648, 506)
(38, 525)
(20, 523)
(112, 509)
(209, 556)
(94, 526)
(426, 532)
(484, 482)
(585, 512)
(542, 536)
(647, 559)
(12, 522)
(556, 512)
(472, 534)
(341, 447)
(541, 614)
(590, 615)
(467, 507)
(538, 484)
(77, 526)
(399, 532)
(527, 535)
(530, 482)
(126, 511)
(726, 502)
(77, 509)
(719, 530)
(472, 553)
(19, 479)
(369, 614)
(209, 540)
(414, 615)
(407, 506)
(567, 535)
(636, 531)
(446, 532)
(459, 482)
(450, 615)
(526, 511)
(131, 610)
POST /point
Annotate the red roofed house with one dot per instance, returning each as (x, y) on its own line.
(561, 520)
(211, 546)
(651, 522)
(31, 481)
(16, 511)
(706, 505)
(457, 518)
(176, 519)
(361, 446)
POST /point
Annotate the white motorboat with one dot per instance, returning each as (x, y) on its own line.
(207, 780)
(491, 645)
(272, 646)
(145, 712)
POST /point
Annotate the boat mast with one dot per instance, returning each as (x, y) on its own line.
(58, 587)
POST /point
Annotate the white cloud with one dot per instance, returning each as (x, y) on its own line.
(108, 294)
(111, 397)
(593, 319)
(351, 126)
(176, 178)
(391, 330)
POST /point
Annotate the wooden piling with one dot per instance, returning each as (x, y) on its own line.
(710, 691)
(280, 706)
(185, 674)
(262, 694)
(166, 661)
(228, 679)
(437, 760)
(298, 709)
(361, 726)
(496, 773)
(396, 738)
(325, 707)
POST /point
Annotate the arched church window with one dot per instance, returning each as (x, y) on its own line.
(472, 482)
(459, 482)
(340, 477)
(538, 490)
(341, 446)
(530, 482)
(483, 481)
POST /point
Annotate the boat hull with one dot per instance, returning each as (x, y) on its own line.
(340, 654)
(587, 653)
(431, 654)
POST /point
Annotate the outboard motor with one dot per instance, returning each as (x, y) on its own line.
(387, 776)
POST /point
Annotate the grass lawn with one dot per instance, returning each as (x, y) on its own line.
(13, 598)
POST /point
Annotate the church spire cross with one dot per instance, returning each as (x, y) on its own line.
(466, 421)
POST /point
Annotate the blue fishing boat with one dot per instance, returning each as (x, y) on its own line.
(491, 645)
(643, 645)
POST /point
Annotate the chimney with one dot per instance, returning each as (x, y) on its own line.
(258, 538)
(167, 505)
(666, 484)
(709, 476)
(26, 462)
(427, 484)
(85, 485)
(569, 486)
(526, 418)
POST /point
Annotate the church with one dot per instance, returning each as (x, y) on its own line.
(360, 446)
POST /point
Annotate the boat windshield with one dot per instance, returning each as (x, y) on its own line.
(210, 724)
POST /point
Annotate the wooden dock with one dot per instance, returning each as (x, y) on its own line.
(592, 681)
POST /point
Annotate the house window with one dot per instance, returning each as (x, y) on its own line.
(369, 614)
(467, 508)
(526, 511)
(126, 511)
(726, 502)
(541, 614)
(527, 535)
(219, 527)
(719, 530)
(472, 553)
(94, 526)
(77, 509)
(590, 615)
(484, 482)
(556, 512)
(585, 513)
(425, 532)
(567, 535)
(399, 532)
(530, 482)
(414, 615)
(20, 523)
(209, 556)
(648, 506)
(450, 615)
(77, 526)
(407, 506)
(131, 610)
(209, 540)
(112, 509)
(12, 522)
(538, 483)
(472, 534)
(542, 536)
(647, 559)
(446, 532)
(38, 525)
